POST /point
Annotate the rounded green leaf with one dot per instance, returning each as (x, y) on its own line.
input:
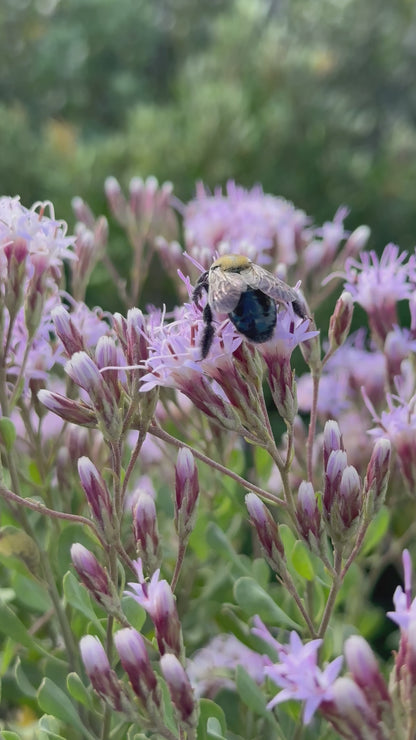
(302, 562)
(254, 600)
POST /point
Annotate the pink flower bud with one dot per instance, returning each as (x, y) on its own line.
(135, 661)
(92, 574)
(365, 671)
(186, 492)
(332, 439)
(378, 471)
(340, 321)
(67, 331)
(308, 515)
(350, 499)
(337, 462)
(101, 675)
(97, 493)
(267, 531)
(67, 409)
(116, 200)
(146, 532)
(180, 690)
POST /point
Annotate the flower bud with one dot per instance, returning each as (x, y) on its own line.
(135, 661)
(116, 200)
(336, 464)
(91, 573)
(357, 240)
(97, 493)
(378, 471)
(67, 409)
(180, 690)
(267, 532)
(340, 321)
(186, 493)
(67, 331)
(352, 711)
(165, 618)
(146, 533)
(308, 515)
(101, 675)
(364, 670)
(349, 495)
(332, 439)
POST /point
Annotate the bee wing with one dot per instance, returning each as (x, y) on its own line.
(259, 279)
(225, 290)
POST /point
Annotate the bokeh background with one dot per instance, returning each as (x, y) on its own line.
(316, 101)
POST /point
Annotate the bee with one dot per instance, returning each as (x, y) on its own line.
(248, 294)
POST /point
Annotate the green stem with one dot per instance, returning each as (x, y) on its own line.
(336, 585)
(161, 434)
(312, 425)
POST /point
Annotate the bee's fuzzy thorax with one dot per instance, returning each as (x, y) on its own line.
(232, 262)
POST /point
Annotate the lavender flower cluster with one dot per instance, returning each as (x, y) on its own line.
(116, 426)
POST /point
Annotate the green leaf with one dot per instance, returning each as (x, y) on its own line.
(11, 626)
(78, 691)
(54, 701)
(135, 614)
(302, 562)
(17, 547)
(49, 728)
(31, 593)
(22, 681)
(78, 597)
(218, 541)
(8, 735)
(254, 600)
(7, 433)
(376, 530)
(287, 537)
(250, 693)
(208, 710)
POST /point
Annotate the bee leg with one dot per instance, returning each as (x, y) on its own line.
(201, 285)
(209, 332)
(299, 309)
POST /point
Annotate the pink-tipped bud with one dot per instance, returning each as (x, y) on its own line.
(91, 573)
(137, 343)
(136, 192)
(378, 471)
(366, 673)
(337, 462)
(107, 355)
(135, 661)
(357, 240)
(97, 493)
(83, 212)
(101, 675)
(165, 618)
(350, 499)
(85, 373)
(180, 690)
(67, 409)
(332, 439)
(352, 711)
(67, 331)
(146, 533)
(116, 199)
(308, 515)
(186, 493)
(340, 321)
(267, 532)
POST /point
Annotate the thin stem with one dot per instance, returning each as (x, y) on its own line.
(133, 459)
(42, 509)
(178, 564)
(312, 425)
(161, 434)
(288, 582)
(336, 585)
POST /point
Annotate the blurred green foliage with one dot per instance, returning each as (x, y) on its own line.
(314, 100)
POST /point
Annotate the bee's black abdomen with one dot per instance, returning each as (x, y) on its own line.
(255, 315)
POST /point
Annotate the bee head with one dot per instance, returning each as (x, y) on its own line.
(231, 263)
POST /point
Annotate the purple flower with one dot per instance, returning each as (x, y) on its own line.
(180, 689)
(156, 597)
(101, 675)
(405, 608)
(243, 221)
(213, 667)
(297, 672)
(377, 284)
(398, 424)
